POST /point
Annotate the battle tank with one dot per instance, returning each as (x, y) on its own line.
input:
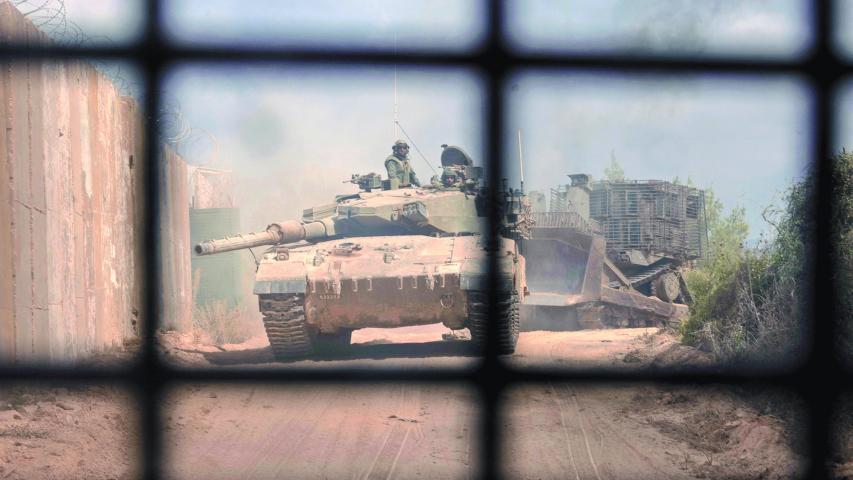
(388, 257)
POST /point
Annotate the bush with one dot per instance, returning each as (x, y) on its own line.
(746, 313)
(216, 323)
(842, 234)
(749, 301)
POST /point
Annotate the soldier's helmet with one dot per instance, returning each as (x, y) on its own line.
(400, 146)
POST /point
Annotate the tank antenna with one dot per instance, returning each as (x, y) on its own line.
(397, 124)
(396, 110)
(416, 147)
(521, 161)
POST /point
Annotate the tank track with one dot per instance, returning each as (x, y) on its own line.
(507, 319)
(284, 321)
(645, 275)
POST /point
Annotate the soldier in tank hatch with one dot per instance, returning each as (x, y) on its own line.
(399, 166)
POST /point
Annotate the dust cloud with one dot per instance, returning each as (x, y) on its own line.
(292, 136)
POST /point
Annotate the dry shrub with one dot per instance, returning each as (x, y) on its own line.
(748, 323)
(217, 323)
(750, 303)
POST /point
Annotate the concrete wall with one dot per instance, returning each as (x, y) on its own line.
(71, 151)
(175, 245)
(211, 188)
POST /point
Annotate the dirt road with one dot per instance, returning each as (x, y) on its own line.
(425, 431)
(60, 433)
(417, 431)
(641, 432)
(423, 347)
(402, 431)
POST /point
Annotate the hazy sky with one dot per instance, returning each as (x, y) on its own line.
(844, 21)
(119, 21)
(844, 118)
(746, 137)
(295, 133)
(772, 27)
(740, 27)
(292, 135)
(439, 24)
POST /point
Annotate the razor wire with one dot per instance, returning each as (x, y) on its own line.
(51, 17)
(187, 141)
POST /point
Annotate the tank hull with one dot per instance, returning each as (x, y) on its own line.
(380, 282)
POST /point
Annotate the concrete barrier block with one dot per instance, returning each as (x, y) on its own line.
(39, 258)
(7, 333)
(81, 282)
(60, 257)
(59, 345)
(7, 271)
(56, 137)
(71, 202)
(24, 333)
(41, 336)
(22, 256)
(37, 133)
(11, 21)
(18, 133)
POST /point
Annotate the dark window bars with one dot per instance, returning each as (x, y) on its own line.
(818, 378)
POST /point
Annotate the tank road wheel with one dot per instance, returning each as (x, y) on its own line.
(284, 321)
(505, 319)
(667, 287)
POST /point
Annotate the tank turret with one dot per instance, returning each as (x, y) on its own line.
(453, 204)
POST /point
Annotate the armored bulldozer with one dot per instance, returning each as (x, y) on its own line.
(611, 254)
(653, 229)
(387, 257)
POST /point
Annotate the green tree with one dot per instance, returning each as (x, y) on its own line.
(614, 171)
(743, 304)
(749, 302)
(842, 235)
(715, 277)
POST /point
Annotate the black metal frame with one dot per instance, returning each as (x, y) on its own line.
(820, 68)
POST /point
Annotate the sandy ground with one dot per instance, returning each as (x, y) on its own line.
(414, 430)
(641, 432)
(424, 347)
(367, 431)
(60, 433)
(615, 349)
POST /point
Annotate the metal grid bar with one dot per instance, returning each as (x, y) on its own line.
(150, 376)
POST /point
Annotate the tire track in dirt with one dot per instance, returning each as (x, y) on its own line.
(610, 430)
(603, 427)
(578, 411)
(582, 469)
(401, 427)
(566, 432)
(283, 430)
(294, 437)
(466, 438)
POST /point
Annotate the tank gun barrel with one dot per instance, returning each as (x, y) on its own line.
(277, 233)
